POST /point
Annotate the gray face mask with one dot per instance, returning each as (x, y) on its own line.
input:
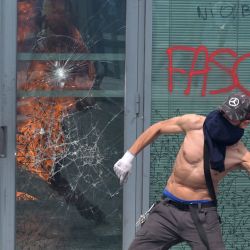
(236, 107)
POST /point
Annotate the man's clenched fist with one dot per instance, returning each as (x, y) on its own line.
(123, 167)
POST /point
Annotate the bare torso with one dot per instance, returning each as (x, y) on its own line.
(187, 180)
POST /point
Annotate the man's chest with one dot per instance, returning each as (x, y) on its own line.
(192, 147)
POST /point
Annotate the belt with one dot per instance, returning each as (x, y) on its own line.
(186, 207)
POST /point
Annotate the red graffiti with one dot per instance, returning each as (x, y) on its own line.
(209, 60)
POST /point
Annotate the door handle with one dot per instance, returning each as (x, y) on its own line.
(3, 141)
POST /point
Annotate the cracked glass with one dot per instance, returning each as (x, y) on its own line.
(70, 97)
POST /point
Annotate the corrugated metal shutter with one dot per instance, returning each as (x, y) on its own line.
(216, 26)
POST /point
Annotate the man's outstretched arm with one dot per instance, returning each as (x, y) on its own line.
(179, 124)
(173, 125)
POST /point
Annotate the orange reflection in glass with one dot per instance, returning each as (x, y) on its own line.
(24, 196)
(40, 137)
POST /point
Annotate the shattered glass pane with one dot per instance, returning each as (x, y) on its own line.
(70, 81)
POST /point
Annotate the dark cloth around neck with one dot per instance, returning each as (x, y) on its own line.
(219, 133)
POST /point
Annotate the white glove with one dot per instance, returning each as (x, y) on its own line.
(123, 167)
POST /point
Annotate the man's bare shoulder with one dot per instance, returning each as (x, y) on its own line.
(192, 121)
(238, 156)
(241, 149)
(180, 124)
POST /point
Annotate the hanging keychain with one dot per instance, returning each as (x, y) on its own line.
(143, 217)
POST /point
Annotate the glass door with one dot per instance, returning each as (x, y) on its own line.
(70, 99)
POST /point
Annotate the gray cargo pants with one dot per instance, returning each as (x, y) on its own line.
(168, 225)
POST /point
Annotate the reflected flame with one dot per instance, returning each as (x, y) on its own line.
(40, 138)
(25, 197)
(27, 25)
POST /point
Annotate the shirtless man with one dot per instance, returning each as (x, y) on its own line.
(170, 222)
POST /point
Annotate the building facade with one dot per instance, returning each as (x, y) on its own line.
(80, 80)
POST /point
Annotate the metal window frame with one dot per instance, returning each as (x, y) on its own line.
(8, 27)
(137, 115)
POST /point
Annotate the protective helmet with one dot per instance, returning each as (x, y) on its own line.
(236, 107)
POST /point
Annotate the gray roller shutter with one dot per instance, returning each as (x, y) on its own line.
(218, 34)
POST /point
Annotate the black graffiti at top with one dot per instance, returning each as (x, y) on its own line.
(224, 11)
